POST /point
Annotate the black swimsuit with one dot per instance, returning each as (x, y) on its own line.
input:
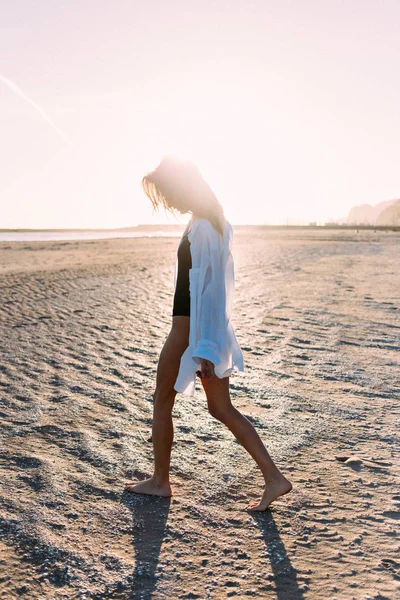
(182, 294)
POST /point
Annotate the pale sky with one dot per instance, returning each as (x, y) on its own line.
(290, 109)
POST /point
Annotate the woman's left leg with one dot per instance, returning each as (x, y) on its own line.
(221, 408)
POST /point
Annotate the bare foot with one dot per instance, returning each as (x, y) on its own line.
(273, 489)
(148, 486)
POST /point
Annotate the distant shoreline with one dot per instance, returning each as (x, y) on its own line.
(174, 227)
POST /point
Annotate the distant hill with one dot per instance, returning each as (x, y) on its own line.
(390, 215)
(365, 214)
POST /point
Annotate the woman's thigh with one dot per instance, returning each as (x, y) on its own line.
(171, 353)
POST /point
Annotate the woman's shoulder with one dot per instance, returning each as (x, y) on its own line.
(201, 222)
(201, 227)
(204, 225)
(203, 233)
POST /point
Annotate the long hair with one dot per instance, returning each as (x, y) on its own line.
(177, 178)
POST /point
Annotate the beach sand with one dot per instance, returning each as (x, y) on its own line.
(316, 313)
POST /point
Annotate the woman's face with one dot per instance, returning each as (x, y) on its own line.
(177, 200)
(179, 205)
(176, 192)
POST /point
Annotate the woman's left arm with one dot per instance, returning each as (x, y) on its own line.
(211, 301)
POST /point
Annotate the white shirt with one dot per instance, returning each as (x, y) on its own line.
(211, 283)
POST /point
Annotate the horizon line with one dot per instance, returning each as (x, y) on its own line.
(312, 225)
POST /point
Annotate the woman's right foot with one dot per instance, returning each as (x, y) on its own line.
(277, 486)
(150, 487)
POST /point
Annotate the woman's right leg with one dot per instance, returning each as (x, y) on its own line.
(163, 403)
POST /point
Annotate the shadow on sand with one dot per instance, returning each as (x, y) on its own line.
(149, 523)
(284, 574)
(149, 518)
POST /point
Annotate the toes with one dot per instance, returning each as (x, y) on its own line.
(129, 488)
(258, 507)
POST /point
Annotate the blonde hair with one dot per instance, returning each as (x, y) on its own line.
(175, 177)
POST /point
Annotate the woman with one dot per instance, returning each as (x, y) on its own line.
(201, 341)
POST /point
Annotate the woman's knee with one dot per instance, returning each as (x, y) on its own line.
(214, 411)
(164, 397)
(219, 410)
(218, 397)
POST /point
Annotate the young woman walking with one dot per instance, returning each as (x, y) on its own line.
(202, 341)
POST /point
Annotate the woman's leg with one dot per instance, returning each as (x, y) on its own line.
(163, 403)
(220, 407)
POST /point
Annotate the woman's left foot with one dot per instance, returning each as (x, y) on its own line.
(273, 489)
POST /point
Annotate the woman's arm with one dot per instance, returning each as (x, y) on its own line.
(210, 298)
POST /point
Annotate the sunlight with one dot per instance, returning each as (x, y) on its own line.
(280, 119)
(256, 162)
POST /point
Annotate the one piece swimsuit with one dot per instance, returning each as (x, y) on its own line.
(182, 293)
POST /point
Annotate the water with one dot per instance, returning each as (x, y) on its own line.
(51, 236)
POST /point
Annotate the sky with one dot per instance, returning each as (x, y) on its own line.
(291, 110)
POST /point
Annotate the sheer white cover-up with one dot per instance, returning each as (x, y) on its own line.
(211, 284)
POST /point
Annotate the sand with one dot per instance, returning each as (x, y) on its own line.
(81, 327)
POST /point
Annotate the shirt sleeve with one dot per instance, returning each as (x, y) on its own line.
(211, 297)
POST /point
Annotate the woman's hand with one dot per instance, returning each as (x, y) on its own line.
(206, 369)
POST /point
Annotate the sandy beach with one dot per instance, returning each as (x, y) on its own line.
(317, 315)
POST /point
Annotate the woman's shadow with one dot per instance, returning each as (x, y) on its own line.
(284, 574)
(149, 518)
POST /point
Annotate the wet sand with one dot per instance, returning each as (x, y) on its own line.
(81, 327)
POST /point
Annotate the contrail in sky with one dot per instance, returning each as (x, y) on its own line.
(20, 93)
